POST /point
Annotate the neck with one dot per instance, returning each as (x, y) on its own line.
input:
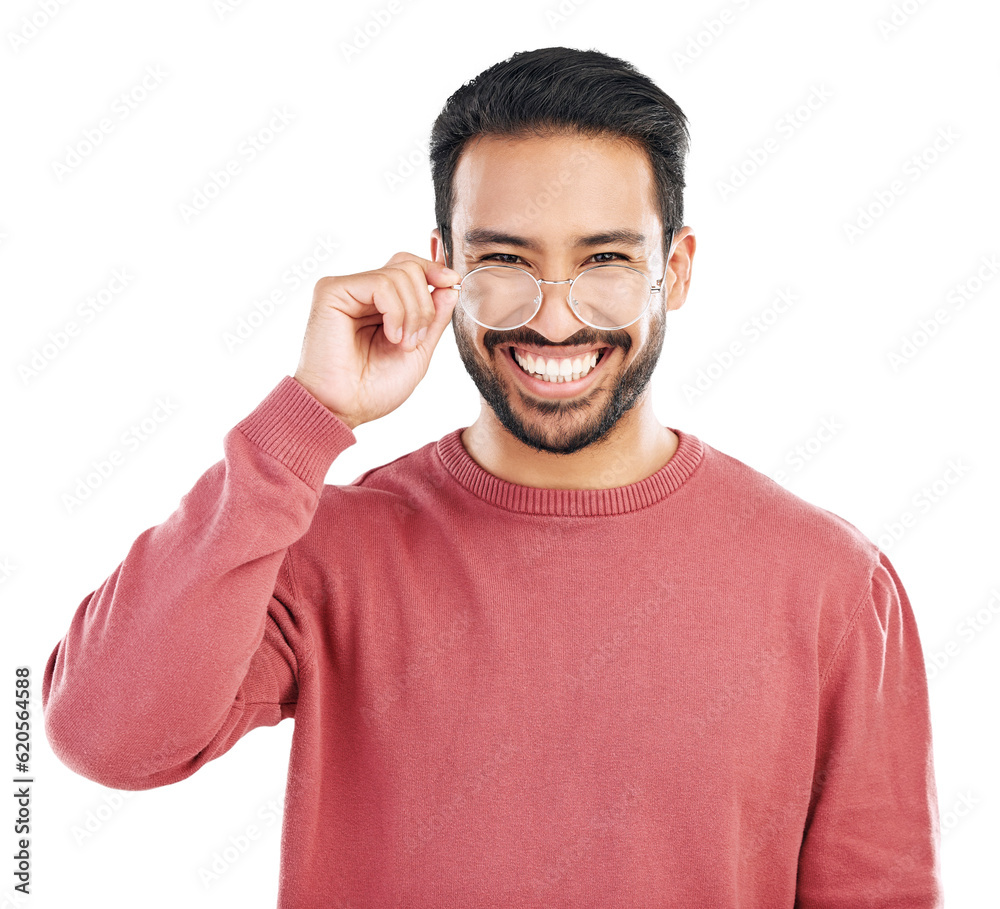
(636, 447)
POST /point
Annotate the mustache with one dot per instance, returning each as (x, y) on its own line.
(590, 338)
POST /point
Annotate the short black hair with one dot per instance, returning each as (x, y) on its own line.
(561, 90)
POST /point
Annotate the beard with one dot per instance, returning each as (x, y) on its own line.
(551, 432)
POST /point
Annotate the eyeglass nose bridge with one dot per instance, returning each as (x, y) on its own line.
(569, 296)
(533, 278)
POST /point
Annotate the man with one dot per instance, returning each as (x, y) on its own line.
(564, 656)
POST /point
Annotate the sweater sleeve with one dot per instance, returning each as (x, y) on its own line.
(194, 638)
(872, 833)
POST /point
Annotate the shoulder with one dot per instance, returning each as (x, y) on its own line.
(805, 547)
(823, 568)
(394, 482)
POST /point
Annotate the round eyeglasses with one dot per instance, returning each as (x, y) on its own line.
(502, 297)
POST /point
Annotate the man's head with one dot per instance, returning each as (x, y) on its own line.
(547, 148)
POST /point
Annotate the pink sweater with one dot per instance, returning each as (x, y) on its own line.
(697, 690)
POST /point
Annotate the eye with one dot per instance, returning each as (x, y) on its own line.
(499, 257)
(504, 257)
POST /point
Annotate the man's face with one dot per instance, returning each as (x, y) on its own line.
(549, 192)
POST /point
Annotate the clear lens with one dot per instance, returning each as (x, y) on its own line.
(503, 296)
(609, 296)
(499, 296)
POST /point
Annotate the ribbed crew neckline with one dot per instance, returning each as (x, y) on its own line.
(578, 502)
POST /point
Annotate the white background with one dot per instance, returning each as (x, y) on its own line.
(350, 166)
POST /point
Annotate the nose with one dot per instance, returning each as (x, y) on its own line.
(555, 319)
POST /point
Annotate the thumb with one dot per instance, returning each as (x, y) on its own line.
(445, 300)
(440, 275)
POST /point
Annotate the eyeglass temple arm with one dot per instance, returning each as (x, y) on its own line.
(666, 265)
(447, 257)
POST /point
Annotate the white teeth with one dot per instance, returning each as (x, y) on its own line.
(561, 370)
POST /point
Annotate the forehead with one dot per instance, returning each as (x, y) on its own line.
(554, 187)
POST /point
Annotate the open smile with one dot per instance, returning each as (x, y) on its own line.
(559, 377)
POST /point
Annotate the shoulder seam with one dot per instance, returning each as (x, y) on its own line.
(851, 622)
(361, 477)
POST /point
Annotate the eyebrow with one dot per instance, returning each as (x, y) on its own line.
(484, 236)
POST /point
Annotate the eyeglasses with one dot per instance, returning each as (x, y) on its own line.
(503, 297)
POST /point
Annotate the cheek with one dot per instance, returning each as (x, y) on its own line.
(468, 334)
(643, 333)
(640, 334)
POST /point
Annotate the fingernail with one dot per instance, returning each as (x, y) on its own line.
(422, 334)
(413, 340)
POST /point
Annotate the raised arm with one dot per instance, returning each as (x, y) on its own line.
(194, 639)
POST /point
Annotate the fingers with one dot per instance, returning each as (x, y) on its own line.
(437, 273)
(418, 307)
(444, 301)
(385, 297)
(398, 295)
(417, 311)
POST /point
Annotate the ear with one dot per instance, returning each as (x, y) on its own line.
(437, 248)
(681, 264)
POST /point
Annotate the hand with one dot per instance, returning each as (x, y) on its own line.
(359, 356)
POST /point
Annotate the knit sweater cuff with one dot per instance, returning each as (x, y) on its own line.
(294, 427)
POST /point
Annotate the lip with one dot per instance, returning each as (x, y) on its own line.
(558, 389)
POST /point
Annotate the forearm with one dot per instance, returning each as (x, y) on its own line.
(152, 662)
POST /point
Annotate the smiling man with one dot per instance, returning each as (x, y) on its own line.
(566, 656)
(556, 385)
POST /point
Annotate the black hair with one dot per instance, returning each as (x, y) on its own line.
(562, 90)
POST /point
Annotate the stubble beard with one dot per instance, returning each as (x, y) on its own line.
(556, 430)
